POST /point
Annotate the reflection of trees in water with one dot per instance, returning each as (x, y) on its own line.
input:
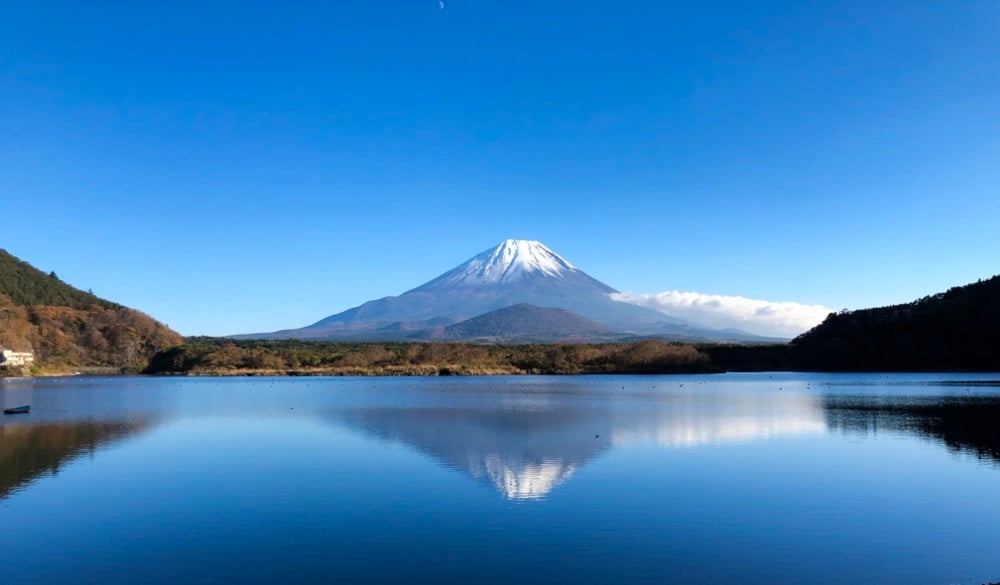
(969, 425)
(33, 450)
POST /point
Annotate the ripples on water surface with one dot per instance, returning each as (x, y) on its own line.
(754, 478)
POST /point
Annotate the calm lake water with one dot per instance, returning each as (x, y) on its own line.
(737, 478)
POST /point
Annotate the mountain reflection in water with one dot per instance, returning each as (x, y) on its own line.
(743, 478)
(526, 450)
(28, 451)
(524, 454)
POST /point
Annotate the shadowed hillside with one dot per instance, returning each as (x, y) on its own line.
(955, 330)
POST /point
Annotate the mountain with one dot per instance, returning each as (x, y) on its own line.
(957, 329)
(522, 323)
(68, 328)
(511, 273)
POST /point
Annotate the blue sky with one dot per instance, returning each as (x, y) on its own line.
(237, 167)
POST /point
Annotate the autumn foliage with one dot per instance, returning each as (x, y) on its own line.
(68, 328)
(216, 356)
(65, 337)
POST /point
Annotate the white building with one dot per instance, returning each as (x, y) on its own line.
(10, 359)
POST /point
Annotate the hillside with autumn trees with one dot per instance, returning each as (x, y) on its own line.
(68, 328)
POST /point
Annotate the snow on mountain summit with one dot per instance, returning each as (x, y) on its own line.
(512, 273)
(511, 260)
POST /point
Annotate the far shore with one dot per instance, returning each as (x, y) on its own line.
(396, 372)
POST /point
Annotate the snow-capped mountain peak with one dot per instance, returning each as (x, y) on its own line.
(483, 294)
(509, 261)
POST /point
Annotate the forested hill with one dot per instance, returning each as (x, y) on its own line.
(25, 285)
(68, 328)
(955, 330)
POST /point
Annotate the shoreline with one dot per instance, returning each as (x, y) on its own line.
(461, 372)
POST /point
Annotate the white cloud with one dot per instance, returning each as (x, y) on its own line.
(769, 318)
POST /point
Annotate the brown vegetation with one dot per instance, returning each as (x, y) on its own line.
(210, 356)
(65, 338)
(69, 329)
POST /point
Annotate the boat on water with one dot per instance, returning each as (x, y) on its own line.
(18, 409)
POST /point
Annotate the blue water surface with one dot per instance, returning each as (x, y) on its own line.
(742, 478)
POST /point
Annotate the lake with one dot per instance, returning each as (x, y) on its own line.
(734, 478)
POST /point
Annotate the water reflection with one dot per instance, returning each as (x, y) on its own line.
(528, 447)
(713, 418)
(702, 479)
(28, 451)
(964, 425)
(523, 453)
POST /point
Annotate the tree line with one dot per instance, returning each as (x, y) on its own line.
(223, 356)
(25, 285)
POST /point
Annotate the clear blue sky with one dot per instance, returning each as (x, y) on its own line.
(231, 167)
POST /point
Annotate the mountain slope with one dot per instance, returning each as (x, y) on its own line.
(957, 329)
(514, 272)
(25, 285)
(522, 322)
(69, 328)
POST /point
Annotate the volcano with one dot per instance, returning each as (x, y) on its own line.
(514, 272)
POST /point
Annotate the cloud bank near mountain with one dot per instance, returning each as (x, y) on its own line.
(774, 319)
